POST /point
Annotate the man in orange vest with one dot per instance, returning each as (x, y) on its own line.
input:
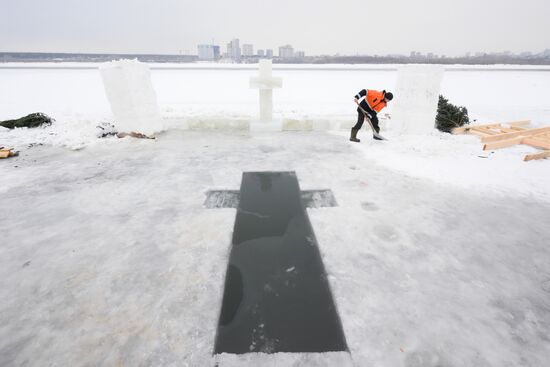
(372, 101)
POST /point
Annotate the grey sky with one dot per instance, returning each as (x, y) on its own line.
(449, 27)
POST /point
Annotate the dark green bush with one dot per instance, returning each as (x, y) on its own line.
(32, 120)
(450, 116)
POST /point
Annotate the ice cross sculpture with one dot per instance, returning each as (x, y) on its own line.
(265, 83)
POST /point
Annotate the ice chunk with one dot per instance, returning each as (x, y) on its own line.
(416, 96)
(131, 95)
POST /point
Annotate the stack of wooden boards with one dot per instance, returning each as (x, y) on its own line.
(7, 152)
(502, 135)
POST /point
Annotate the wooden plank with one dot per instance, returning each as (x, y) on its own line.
(518, 123)
(517, 128)
(478, 133)
(493, 130)
(484, 130)
(510, 129)
(502, 143)
(460, 130)
(537, 143)
(506, 136)
(4, 153)
(541, 155)
(542, 136)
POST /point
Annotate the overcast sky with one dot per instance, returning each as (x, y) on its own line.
(450, 27)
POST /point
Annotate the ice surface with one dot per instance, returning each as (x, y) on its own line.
(416, 97)
(329, 359)
(131, 96)
(222, 199)
(109, 257)
(230, 199)
(437, 253)
(318, 198)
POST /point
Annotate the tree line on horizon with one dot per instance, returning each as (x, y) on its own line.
(486, 59)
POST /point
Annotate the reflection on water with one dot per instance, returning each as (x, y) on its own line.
(233, 294)
(277, 297)
(265, 182)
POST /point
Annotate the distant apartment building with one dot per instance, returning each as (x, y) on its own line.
(286, 52)
(209, 52)
(234, 50)
(248, 49)
(269, 53)
(261, 53)
(300, 54)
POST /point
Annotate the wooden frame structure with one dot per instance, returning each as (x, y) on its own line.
(501, 135)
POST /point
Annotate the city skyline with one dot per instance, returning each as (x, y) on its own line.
(348, 28)
(234, 51)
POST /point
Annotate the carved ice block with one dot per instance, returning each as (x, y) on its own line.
(131, 95)
(414, 106)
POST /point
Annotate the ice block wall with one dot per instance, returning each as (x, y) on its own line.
(131, 95)
(414, 106)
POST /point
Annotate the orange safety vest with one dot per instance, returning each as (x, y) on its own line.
(375, 100)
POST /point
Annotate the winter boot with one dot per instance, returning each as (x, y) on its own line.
(377, 129)
(353, 136)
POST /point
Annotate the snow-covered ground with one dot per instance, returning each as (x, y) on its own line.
(437, 253)
(218, 93)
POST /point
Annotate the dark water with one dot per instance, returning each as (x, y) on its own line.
(277, 297)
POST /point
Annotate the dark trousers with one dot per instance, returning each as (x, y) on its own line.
(361, 117)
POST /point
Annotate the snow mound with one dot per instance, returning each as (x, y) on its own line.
(63, 133)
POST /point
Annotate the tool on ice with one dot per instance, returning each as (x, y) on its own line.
(374, 133)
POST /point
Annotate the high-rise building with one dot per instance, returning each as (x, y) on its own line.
(269, 53)
(234, 50)
(300, 54)
(261, 53)
(209, 52)
(286, 52)
(248, 49)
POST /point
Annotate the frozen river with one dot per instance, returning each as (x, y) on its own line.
(74, 92)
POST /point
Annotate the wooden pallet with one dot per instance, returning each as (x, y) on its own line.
(501, 135)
